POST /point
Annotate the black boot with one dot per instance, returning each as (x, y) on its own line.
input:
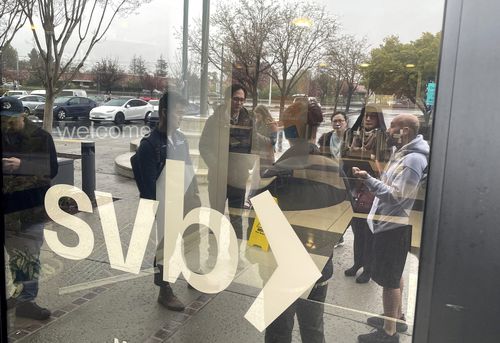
(167, 299)
(352, 271)
(31, 310)
(364, 277)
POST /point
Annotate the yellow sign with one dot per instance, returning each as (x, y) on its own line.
(257, 236)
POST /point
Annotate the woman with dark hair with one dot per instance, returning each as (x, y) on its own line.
(367, 140)
(330, 143)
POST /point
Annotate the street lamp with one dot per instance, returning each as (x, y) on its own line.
(366, 66)
(302, 22)
(419, 79)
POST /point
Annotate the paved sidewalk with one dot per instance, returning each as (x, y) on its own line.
(93, 303)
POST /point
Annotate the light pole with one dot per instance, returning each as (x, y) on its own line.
(185, 50)
(411, 66)
(365, 66)
(205, 24)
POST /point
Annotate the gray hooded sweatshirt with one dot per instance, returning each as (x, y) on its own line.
(397, 188)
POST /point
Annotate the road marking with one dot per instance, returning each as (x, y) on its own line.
(103, 282)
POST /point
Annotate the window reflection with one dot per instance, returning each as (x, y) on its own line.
(307, 101)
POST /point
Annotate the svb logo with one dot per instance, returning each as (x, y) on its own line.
(294, 275)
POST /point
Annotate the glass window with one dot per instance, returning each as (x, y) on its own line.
(278, 197)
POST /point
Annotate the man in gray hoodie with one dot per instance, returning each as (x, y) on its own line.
(388, 219)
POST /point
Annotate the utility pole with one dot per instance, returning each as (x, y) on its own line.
(185, 32)
(221, 84)
(205, 24)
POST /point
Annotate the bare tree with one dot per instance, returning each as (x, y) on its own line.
(107, 73)
(138, 66)
(345, 57)
(193, 74)
(161, 67)
(68, 31)
(12, 19)
(299, 43)
(239, 40)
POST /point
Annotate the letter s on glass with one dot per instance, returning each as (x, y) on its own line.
(85, 235)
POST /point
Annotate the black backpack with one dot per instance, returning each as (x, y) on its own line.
(156, 141)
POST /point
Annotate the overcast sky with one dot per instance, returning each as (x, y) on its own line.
(150, 31)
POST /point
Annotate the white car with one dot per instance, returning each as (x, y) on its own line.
(30, 102)
(15, 93)
(120, 110)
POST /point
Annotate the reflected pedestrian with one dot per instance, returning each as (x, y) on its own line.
(165, 141)
(225, 146)
(331, 143)
(29, 162)
(301, 121)
(367, 131)
(395, 195)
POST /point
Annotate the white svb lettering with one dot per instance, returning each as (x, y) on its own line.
(296, 272)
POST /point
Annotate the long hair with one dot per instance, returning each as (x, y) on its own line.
(262, 109)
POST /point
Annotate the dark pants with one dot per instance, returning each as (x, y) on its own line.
(363, 244)
(236, 199)
(310, 318)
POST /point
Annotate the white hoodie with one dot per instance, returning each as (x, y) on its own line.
(397, 188)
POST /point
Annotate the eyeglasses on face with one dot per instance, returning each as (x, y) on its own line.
(237, 99)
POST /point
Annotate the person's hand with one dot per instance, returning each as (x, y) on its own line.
(10, 164)
(362, 174)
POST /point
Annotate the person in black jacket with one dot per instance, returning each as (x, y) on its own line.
(224, 143)
(167, 141)
(29, 162)
(308, 185)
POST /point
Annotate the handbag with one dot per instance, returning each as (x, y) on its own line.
(363, 199)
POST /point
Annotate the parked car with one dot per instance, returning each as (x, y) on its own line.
(30, 102)
(190, 110)
(73, 92)
(67, 106)
(155, 103)
(99, 99)
(38, 92)
(122, 109)
(15, 93)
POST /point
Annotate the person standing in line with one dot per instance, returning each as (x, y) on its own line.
(369, 127)
(301, 121)
(331, 145)
(395, 195)
(29, 162)
(166, 141)
(225, 139)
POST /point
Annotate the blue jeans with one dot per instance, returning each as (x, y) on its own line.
(309, 316)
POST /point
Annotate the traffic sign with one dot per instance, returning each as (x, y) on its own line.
(431, 94)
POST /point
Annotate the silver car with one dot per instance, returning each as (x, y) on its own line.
(31, 101)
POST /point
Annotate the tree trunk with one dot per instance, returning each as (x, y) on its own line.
(48, 115)
(336, 97)
(255, 98)
(349, 96)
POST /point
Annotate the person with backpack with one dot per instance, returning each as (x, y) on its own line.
(165, 141)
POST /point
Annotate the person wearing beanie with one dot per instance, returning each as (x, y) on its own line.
(29, 162)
